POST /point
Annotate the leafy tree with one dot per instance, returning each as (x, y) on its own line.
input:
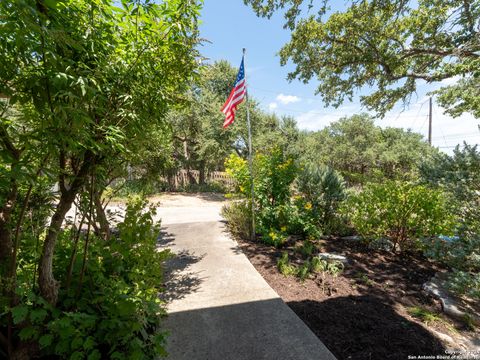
(385, 46)
(81, 83)
(201, 143)
(462, 97)
(362, 151)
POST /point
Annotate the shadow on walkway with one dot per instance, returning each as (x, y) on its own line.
(370, 329)
(265, 329)
(177, 281)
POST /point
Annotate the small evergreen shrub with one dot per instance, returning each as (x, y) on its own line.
(323, 190)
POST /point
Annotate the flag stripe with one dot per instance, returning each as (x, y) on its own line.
(237, 91)
(237, 86)
(236, 96)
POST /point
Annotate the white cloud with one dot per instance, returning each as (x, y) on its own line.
(317, 119)
(287, 99)
(272, 106)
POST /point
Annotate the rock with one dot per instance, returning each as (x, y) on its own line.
(450, 305)
(350, 238)
(333, 257)
(381, 244)
(443, 337)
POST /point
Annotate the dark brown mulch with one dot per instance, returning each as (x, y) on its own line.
(361, 314)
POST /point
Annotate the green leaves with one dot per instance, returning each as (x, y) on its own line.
(362, 151)
(86, 80)
(28, 333)
(384, 47)
(19, 313)
(401, 212)
(45, 340)
(37, 316)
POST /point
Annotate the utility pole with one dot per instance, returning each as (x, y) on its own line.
(430, 123)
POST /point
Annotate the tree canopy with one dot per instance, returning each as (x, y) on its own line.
(362, 151)
(81, 83)
(385, 47)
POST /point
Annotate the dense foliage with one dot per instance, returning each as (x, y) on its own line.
(402, 212)
(81, 83)
(387, 46)
(116, 313)
(324, 189)
(364, 152)
(282, 208)
(459, 175)
(195, 140)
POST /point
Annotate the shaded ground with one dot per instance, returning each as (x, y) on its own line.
(362, 313)
(219, 307)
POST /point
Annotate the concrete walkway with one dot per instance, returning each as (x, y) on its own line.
(220, 307)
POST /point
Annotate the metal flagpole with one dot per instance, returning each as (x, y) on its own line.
(250, 160)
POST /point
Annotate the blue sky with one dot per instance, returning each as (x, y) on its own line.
(229, 25)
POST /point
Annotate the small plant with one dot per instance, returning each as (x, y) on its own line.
(423, 314)
(334, 268)
(363, 278)
(304, 270)
(306, 249)
(238, 216)
(284, 266)
(318, 265)
(469, 322)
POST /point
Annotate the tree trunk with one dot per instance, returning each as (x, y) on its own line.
(46, 282)
(201, 176)
(101, 217)
(6, 244)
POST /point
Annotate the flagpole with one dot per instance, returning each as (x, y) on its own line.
(250, 160)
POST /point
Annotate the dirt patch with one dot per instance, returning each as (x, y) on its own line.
(363, 312)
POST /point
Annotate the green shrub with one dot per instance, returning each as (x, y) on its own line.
(238, 216)
(323, 189)
(214, 187)
(304, 270)
(275, 238)
(459, 175)
(117, 314)
(284, 266)
(306, 249)
(465, 283)
(274, 172)
(402, 212)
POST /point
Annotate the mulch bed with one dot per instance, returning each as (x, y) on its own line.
(362, 313)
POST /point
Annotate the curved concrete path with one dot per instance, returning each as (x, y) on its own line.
(220, 307)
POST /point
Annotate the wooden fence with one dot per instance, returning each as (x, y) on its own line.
(184, 178)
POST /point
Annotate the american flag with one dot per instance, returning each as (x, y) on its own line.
(236, 97)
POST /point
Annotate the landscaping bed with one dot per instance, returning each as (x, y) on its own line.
(374, 309)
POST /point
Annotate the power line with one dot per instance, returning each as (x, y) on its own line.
(466, 135)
